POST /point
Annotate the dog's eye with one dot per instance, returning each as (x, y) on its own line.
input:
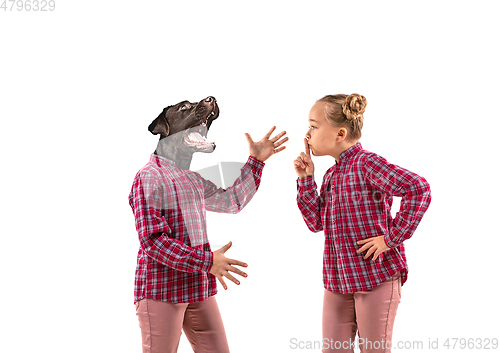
(184, 107)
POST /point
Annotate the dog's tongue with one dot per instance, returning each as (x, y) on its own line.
(196, 136)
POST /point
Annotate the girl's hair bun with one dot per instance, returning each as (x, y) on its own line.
(354, 106)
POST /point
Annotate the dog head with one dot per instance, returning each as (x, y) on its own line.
(186, 125)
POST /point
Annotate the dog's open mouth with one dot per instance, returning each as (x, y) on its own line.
(196, 135)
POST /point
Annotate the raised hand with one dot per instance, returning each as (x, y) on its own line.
(303, 164)
(266, 147)
(221, 266)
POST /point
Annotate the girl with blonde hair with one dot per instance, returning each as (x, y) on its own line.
(364, 262)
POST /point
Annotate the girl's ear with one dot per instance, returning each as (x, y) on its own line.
(341, 134)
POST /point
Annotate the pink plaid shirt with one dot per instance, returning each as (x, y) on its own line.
(169, 206)
(355, 203)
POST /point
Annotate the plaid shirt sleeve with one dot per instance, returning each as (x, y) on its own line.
(154, 232)
(233, 199)
(310, 202)
(414, 190)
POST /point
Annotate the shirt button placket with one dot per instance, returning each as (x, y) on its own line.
(332, 202)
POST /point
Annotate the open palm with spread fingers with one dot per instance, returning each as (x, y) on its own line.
(221, 266)
(266, 147)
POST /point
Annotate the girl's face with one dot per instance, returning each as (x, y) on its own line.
(321, 135)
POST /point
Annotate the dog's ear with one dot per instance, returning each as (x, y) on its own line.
(160, 124)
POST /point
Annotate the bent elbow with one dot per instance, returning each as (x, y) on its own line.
(420, 186)
(425, 187)
(235, 209)
(315, 228)
(423, 192)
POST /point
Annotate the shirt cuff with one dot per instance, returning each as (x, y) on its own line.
(393, 234)
(208, 258)
(255, 162)
(387, 242)
(307, 181)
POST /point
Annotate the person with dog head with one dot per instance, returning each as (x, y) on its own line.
(176, 268)
(364, 262)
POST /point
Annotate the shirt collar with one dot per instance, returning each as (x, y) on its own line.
(351, 151)
(161, 161)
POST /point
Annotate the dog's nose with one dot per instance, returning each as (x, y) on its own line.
(210, 99)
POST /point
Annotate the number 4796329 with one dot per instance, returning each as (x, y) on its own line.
(471, 343)
(28, 5)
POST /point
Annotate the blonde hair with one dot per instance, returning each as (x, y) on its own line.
(346, 111)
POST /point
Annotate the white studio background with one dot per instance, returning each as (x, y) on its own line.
(79, 86)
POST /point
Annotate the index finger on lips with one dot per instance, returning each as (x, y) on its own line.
(306, 145)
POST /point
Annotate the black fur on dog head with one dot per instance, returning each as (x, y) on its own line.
(183, 129)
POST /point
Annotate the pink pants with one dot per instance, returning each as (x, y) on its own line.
(161, 324)
(371, 313)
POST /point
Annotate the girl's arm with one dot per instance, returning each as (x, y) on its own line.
(309, 203)
(155, 234)
(307, 196)
(414, 190)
